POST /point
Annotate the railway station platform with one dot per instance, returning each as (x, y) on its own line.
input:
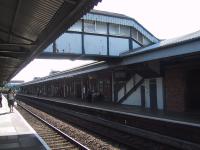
(16, 133)
(189, 118)
(159, 126)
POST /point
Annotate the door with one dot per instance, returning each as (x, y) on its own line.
(142, 91)
(193, 90)
(153, 94)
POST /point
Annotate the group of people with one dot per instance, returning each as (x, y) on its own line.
(94, 96)
(10, 98)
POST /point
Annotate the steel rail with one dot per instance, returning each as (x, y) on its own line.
(147, 134)
(67, 137)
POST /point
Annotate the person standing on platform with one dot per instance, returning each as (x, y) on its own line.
(83, 93)
(11, 99)
(0, 100)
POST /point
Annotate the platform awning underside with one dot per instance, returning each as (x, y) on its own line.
(28, 26)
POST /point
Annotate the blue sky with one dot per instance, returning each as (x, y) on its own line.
(163, 18)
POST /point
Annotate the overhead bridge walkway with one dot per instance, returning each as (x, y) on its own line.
(28, 27)
(99, 35)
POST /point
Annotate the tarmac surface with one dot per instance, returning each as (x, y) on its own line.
(16, 133)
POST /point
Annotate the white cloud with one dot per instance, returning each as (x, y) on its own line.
(164, 18)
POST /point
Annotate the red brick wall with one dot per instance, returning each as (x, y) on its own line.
(175, 86)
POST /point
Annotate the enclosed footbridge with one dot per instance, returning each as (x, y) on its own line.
(100, 35)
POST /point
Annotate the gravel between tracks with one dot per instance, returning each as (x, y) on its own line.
(91, 141)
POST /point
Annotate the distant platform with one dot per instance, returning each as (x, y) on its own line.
(189, 118)
(16, 133)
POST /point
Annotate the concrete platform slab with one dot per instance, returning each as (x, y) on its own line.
(183, 118)
(16, 133)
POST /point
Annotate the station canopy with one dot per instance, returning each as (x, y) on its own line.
(29, 26)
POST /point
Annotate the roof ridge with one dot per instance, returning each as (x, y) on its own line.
(122, 16)
(109, 13)
(165, 43)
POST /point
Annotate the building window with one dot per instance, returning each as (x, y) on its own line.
(137, 35)
(101, 27)
(76, 27)
(114, 29)
(134, 33)
(124, 30)
(146, 41)
(140, 37)
(89, 26)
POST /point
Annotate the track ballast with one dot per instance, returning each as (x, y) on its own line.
(55, 138)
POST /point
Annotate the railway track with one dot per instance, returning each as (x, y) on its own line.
(55, 138)
(109, 124)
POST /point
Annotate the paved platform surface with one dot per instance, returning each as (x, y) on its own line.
(16, 133)
(183, 118)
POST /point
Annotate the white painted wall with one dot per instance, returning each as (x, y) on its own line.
(129, 84)
(95, 44)
(121, 93)
(118, 45)
(70, 43)
(134, 98)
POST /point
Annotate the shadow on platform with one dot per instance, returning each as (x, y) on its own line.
(20, 142)
(16, 133)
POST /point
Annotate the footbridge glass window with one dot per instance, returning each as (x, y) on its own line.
(140, 37)
(137, 35)
(114, 29)
(134, 33)
(89, 26)
(146, 41)
(124, 30)
(101, 27)
(76, 27)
